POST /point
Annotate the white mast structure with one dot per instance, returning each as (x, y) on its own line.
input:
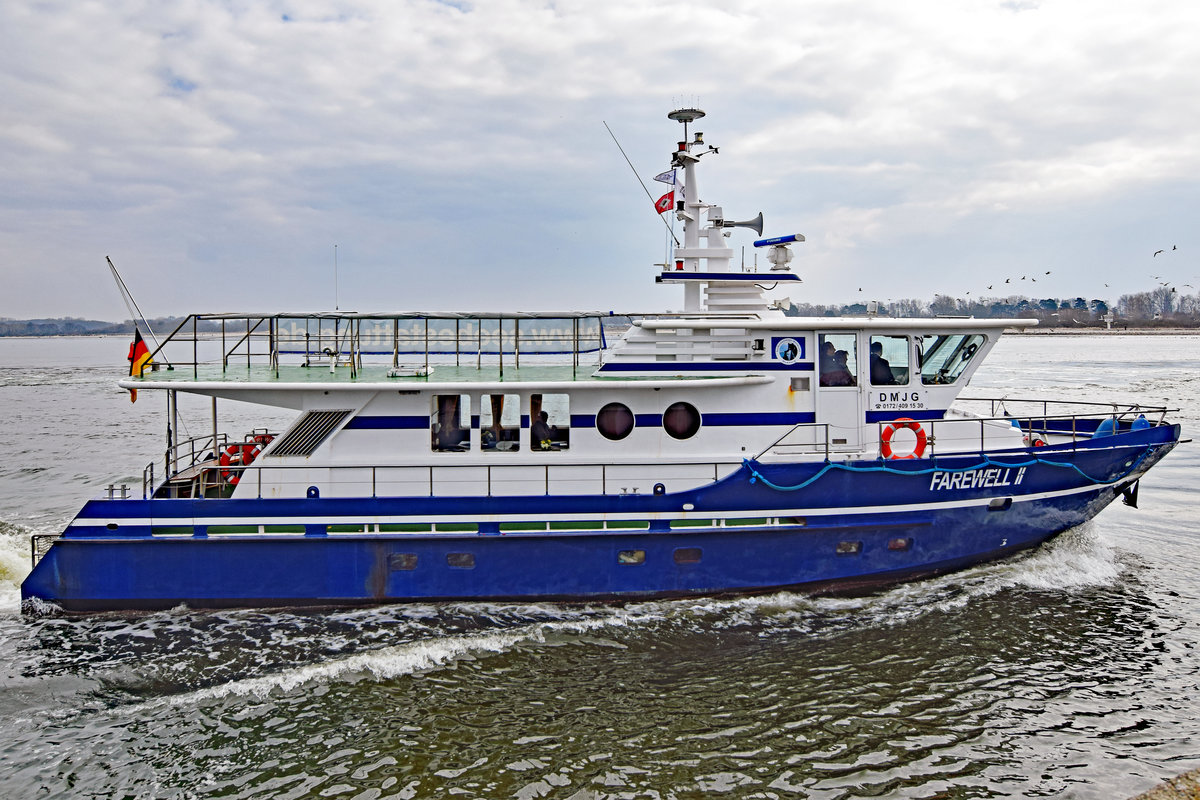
(735, 293)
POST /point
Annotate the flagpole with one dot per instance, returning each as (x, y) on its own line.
(127, 296)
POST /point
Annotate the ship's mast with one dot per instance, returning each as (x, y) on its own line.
(703, 263)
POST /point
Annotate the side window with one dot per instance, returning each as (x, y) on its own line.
(837, 359)
(889, 360)
(549, 422)
(500, 422)
(945, 356)
(450, 422)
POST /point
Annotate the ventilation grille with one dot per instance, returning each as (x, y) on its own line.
(307, 434)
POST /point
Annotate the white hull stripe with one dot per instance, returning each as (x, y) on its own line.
(631, 517)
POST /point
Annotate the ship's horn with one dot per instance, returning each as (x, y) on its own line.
(753, 224)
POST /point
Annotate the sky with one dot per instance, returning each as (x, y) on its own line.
(415, 155)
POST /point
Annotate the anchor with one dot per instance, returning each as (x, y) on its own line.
(1129, 494)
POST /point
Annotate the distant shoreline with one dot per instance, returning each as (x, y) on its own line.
(1131, 331)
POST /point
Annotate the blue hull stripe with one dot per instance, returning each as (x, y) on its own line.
(413, 422)
(376, 423)
(888, 416)
(682, 367)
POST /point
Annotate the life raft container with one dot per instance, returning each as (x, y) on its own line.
(889, 430)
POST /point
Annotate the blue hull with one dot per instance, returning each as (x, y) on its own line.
(824, 527)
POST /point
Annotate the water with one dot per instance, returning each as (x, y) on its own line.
(1069, 672)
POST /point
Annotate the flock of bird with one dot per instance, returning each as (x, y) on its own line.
(1159, 278)
(1161, 282)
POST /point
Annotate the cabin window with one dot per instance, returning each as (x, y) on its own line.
(460, 560)
(944, 357)
(838, 360)
(500, 422)
(681, 420)
(688, 555)
(450, 423)
(631, 557)
(402, 561)
(889, 360)
(549, 422)
(615, 421)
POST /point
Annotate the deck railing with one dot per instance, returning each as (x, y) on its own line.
(1071, 421)
(434, 480)
(348, 339)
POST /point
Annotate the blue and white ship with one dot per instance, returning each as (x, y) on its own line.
(724, 448)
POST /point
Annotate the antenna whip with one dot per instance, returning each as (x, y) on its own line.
(639, 179)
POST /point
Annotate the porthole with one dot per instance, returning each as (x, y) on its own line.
(402, 561)
(681, 420)
(631, 557)
(615, 421)
(687, 555)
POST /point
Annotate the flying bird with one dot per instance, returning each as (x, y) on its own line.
(1006, 280)
(989, 287)
(1156, 252)
(1047, 272)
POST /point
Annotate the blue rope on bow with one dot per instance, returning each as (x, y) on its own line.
(756, 476)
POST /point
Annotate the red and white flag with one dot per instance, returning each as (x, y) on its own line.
(665, 203)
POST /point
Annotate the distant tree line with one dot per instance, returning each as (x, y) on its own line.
(73, 326)
(1163, 307)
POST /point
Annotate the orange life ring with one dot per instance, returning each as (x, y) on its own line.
(235, 456)
(885, 438)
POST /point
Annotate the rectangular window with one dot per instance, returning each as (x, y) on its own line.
(945, 357)
(837, 359)
(500, 423)
(630, 557)
(402, 561)
(450, 423)
(889, 360)
(687, 555)
(549, 422)
(849, 548)
(460, 560)
(900, 544)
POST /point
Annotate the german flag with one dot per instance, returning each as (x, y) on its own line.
(139, 357)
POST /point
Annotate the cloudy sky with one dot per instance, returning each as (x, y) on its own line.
(456, 155)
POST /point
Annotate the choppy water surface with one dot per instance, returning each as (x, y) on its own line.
(1070, 672)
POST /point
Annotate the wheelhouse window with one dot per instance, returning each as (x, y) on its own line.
(889, 360)
(837, 359)
(615, 421)
(945, 356)
(549, 422)
(450, 423)
(681, 420)
(500, 422)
